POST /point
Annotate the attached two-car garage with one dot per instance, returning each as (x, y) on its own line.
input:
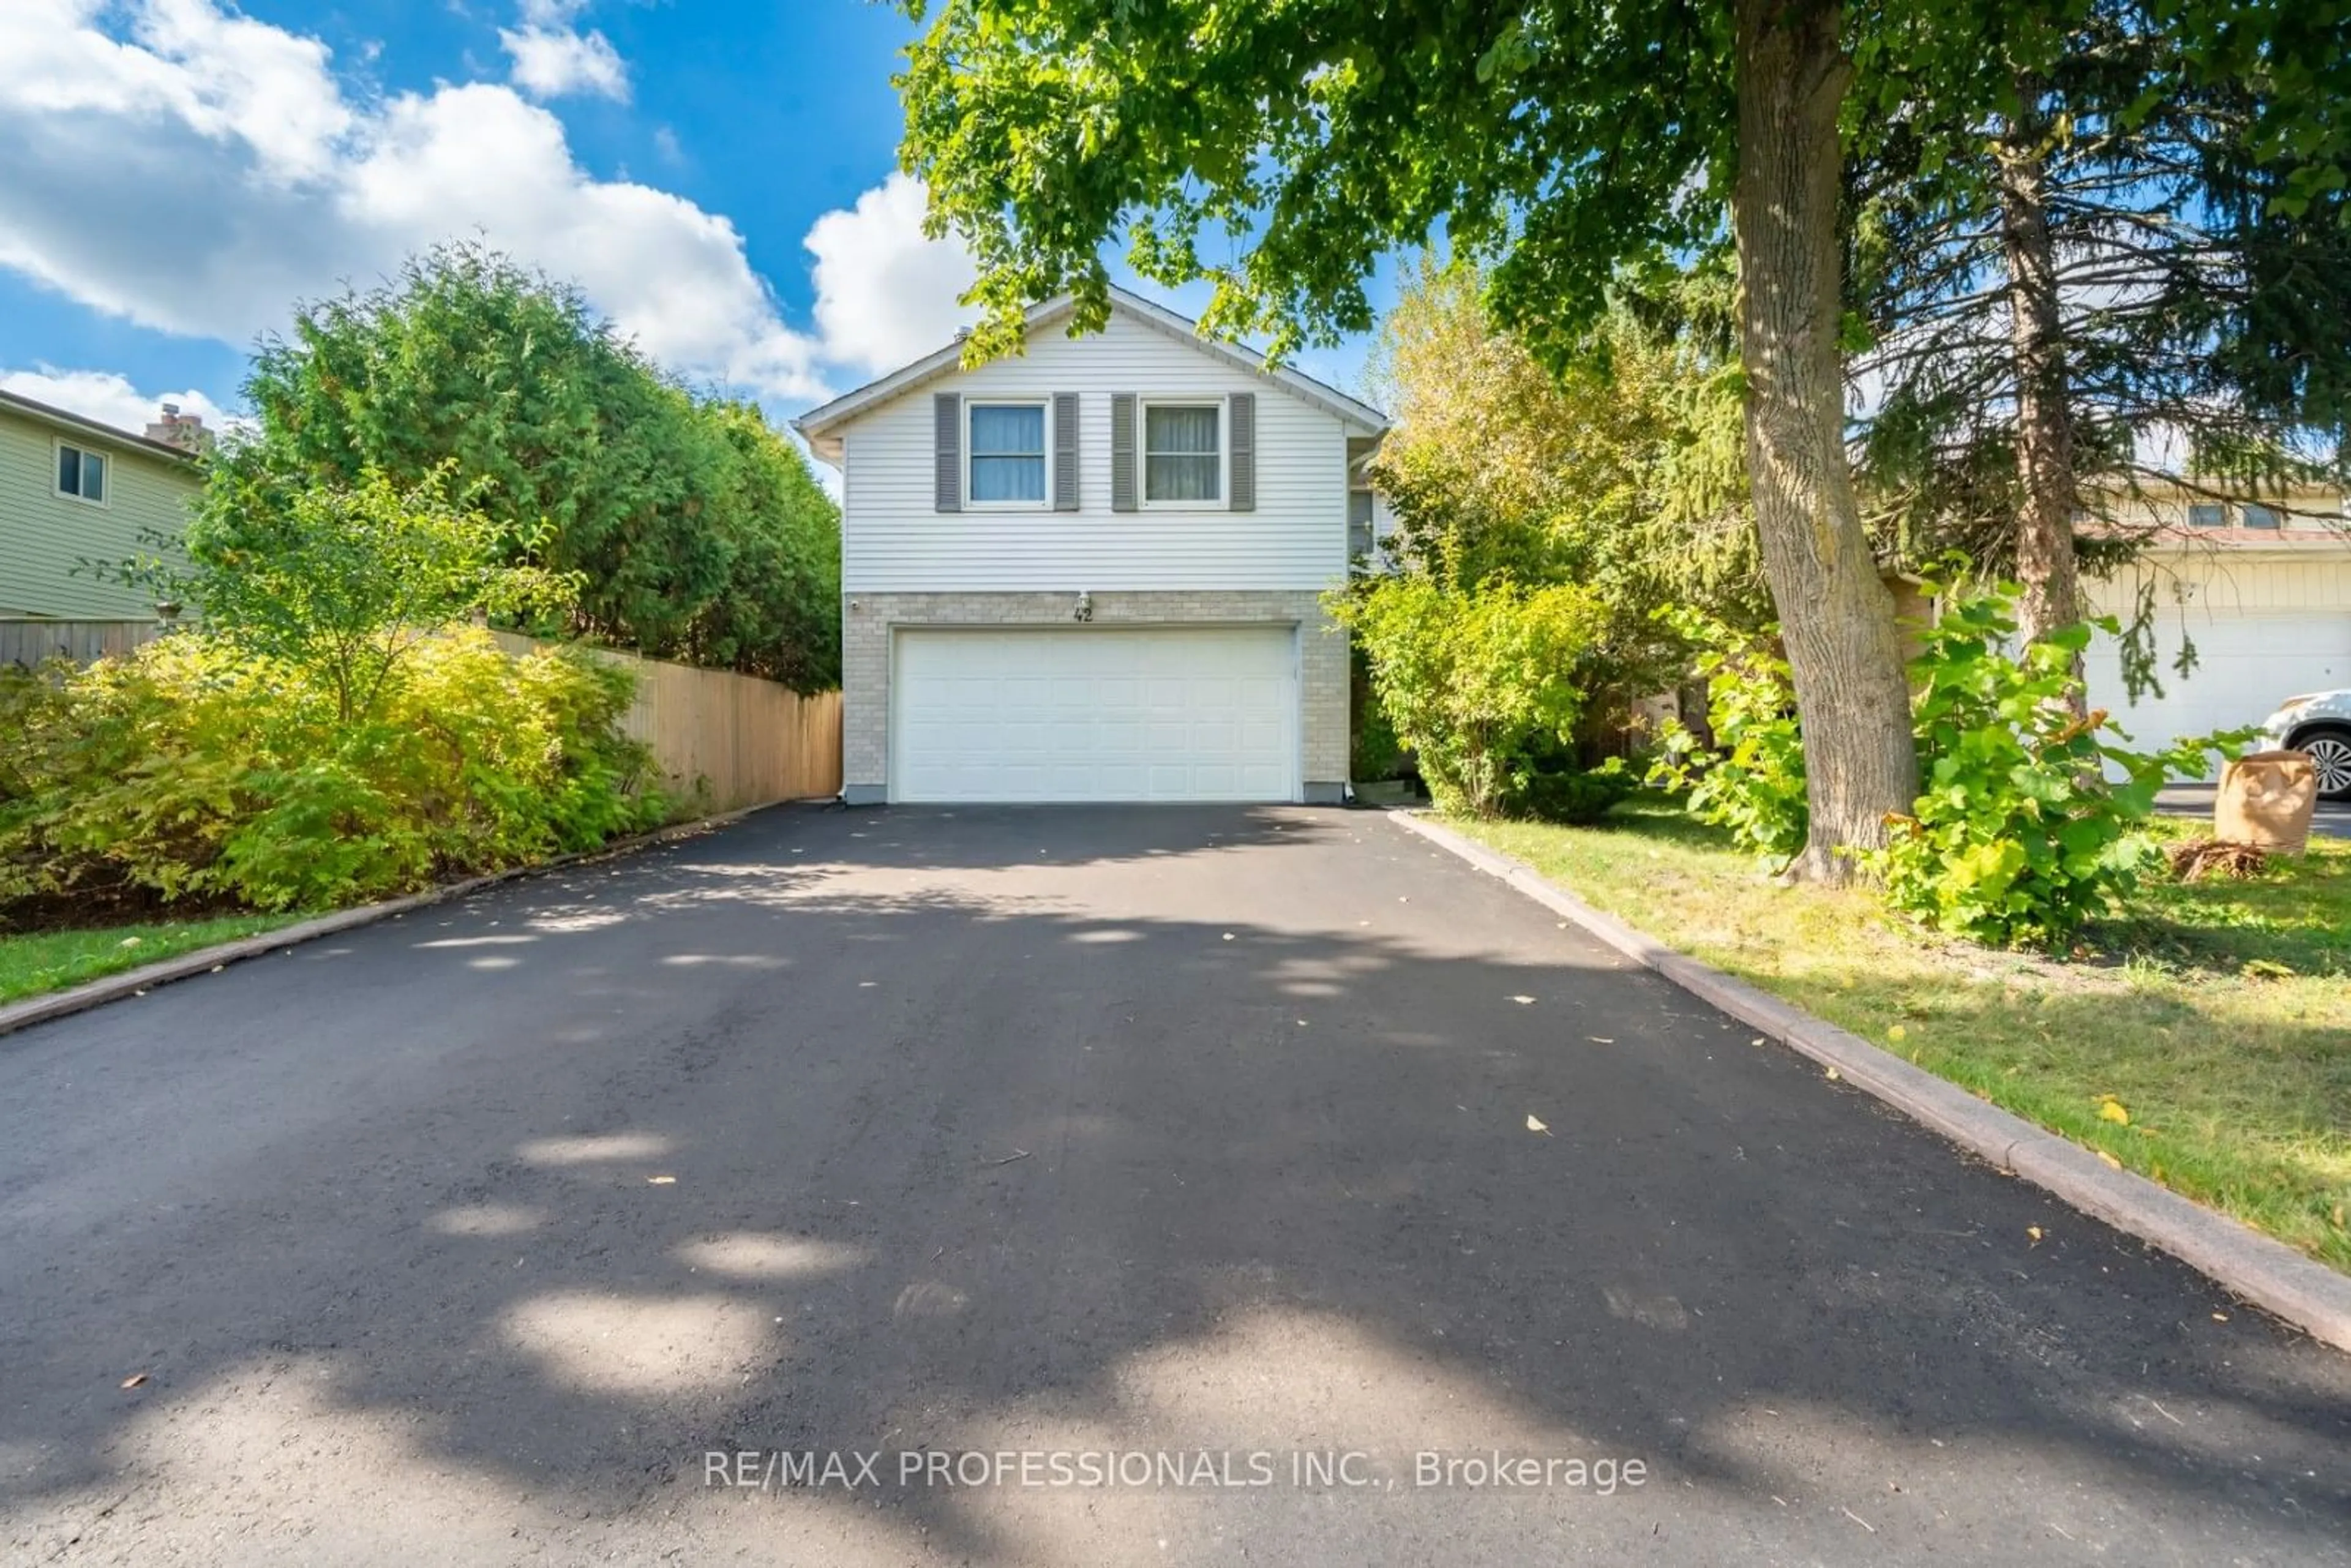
(2268, 620)
(1086, 713)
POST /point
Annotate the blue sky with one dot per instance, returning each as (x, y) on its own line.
(719, 178)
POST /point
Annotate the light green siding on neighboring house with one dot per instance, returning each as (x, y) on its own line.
(44, 535)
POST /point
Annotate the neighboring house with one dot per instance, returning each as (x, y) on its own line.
(71, 490)
(2262, 592)
(1092, 571)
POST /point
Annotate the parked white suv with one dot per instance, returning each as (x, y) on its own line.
(2320, 725)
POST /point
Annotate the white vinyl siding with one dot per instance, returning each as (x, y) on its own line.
(893, 538)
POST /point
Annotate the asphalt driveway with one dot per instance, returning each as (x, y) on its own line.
(1027, 1143)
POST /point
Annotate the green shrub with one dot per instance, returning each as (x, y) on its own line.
(2020, 832)
(198, 770)
(1374, 752)
(1752, 781)
(1576, 796)
(1475, 683)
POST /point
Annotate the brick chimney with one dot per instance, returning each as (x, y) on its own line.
(184, 431)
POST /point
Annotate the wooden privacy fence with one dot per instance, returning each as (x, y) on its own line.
(28, 643)
(738, 739)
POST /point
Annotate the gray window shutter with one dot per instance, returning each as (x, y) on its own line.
(1065, 452)
(948, 410)
(1240, 428)
(1122, 485)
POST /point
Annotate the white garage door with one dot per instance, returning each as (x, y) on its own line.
(2246, 663)
(1096, 714)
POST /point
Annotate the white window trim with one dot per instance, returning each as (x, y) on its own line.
(57, 449)
(969, 404)
(1143, 406)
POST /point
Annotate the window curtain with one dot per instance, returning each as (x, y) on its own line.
(1007, 453)
(1179, 448)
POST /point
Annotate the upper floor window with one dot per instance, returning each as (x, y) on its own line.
(1007, 453)
(2208, 514)
(81, 473)
(1183, 452)
(1362, 516)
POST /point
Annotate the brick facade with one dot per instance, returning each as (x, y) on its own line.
(868, 619)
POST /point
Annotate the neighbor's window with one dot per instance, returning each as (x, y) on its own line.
(2208, 514)
(1008, 451)
(81, 473)
(1181, 458)
(2260, 516)
(1360, 521)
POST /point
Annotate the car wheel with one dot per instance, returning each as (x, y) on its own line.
(2330, 753)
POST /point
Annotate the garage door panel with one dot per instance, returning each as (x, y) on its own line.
(1097, 714)
(2246, 662)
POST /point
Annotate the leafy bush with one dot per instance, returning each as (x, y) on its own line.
(195, 769)
(1752, 781)
(1374, 752)
(343, 582)
(2019, 834)
(695, 531)
(1576, 796)
(1473, 683)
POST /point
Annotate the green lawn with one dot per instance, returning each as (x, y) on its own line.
(2216, 1015)
(52, 960)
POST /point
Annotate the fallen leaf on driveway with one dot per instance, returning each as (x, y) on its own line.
(2110, 1159)
(1523, 1001)
(1229, 936)
(2034, 1231)
(1832, 1072)
(1534, 1124)
(1600, 1039)
(660, 1181)
(134, 1380)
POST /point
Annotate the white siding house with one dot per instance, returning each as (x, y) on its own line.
(1093, 571)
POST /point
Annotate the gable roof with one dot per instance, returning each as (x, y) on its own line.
(74, 423)
(819, 426)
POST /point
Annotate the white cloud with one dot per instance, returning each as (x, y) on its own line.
(206, 172)
(197, 172)
(106, 398)
(884, 294)
(551, 58)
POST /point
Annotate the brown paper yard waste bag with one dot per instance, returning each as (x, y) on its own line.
(2266, 799)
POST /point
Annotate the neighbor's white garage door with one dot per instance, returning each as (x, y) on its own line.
(1096, 714)
(2247, 662)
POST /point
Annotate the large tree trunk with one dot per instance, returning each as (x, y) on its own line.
(1836, 616)
(2044, 424)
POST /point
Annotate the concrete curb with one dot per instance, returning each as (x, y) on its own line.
(131, 982)
(2262, 1270)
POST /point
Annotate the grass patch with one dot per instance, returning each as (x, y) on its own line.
(52, 960)
(2216, 1014)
